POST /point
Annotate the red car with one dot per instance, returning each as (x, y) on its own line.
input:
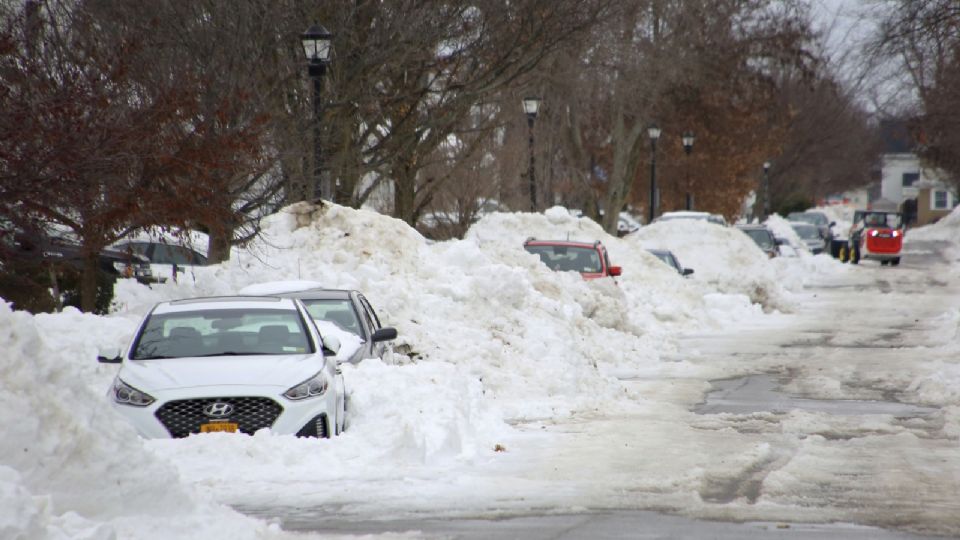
(590, 259)
(874, 235)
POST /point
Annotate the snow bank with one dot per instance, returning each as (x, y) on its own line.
(724, 258)
(945, 230)
(487, 336)
(70, 467)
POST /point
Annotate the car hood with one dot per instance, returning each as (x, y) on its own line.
(172, 373)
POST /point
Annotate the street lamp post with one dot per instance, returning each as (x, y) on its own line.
(531, 106)
(766, 189)
(687, 148)
(654, 133)
(316, 45)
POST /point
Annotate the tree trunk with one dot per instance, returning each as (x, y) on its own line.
(88, 282)
(218, 244)
(626, 158)
(405, 194)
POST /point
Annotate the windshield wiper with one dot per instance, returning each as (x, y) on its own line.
(157, 357)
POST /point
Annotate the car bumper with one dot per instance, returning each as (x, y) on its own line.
(292, 418)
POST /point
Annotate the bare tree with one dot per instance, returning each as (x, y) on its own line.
(925, 37)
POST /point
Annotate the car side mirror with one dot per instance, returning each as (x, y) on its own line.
(331, 345)
(832, 223)
(687, 271)
(109, 355)
(779, 241)
(615, 270)
(384, 334)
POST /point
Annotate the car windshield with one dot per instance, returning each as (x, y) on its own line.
(222, 332)
(761, 237)
(337, 311)
(568, 258)
(807, 232)
(814, 219)
(882, 219)
(167, 254)
(666, 257)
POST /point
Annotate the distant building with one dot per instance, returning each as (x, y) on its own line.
(903, 177)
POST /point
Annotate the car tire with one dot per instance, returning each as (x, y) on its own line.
(895, 262)
(884, 263)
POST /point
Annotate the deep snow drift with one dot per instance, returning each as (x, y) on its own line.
(488, 337)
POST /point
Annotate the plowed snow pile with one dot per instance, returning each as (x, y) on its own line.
(488, 335)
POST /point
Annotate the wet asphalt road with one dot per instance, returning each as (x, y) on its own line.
(778, 387)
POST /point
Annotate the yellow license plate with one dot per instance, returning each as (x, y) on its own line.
(228, 427)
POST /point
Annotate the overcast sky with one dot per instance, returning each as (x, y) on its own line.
(847, 26)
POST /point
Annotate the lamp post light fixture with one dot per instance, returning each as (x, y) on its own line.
(766, 189)
(688, 139)
(531, 106)
(654, 133)
(316, 46)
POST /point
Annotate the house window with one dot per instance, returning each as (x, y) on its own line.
(941, 200)
(909, 178)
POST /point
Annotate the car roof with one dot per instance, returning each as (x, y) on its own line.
(572, 243)
(318, 294)
(225, 302)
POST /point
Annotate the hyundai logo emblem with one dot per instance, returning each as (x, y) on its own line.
(218, 409)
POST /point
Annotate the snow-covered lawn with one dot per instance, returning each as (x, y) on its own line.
(492, 345)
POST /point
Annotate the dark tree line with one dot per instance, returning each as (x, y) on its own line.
(121, 115)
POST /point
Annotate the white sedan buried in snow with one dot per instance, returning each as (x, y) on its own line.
(229, 364)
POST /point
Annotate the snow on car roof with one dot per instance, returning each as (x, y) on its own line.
(280, 287)
(225, 302)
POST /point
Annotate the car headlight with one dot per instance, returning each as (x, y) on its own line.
(128, 395)
(312, 387)
(874, 232)
(896, 234)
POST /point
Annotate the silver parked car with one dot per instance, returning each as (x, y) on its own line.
(350, 311)
(810, 235)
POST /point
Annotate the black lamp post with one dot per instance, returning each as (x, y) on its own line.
(316, 45)
(766, 189)
(687, 148)
(654, 132)
(531, 106)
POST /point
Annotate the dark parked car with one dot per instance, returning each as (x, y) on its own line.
(41, 271)
(823, 224)
(351, 311)
(763, 237)
(670, 259)
(167, 259)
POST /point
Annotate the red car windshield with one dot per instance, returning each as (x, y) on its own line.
(568, 258)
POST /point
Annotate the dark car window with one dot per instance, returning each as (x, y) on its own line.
(762, 238)
(222, 332)
(567, 258)
(160, 253)
(167, 254)
(807, 232)
(337, 311)
(370, 313)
